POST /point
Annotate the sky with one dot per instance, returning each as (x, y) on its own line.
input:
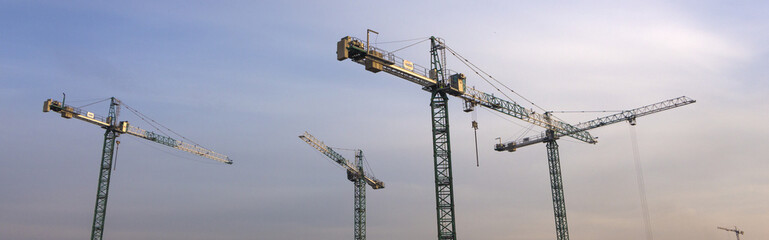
(245, 78)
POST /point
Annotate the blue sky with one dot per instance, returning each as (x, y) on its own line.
(246, 78)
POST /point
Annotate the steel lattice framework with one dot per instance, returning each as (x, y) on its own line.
(360, 200)
(355, 174)
(105, 171)
(444, 181)
(549, 137)
(113, 129)
(434, 80)
(556, 188)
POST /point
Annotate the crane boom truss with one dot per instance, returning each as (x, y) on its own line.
(434, 80)
(336, 157)
(350, 47)
(356, 174)
(113, 129)
(549, 137)
(736, 231)
(629, 115)
(124, 127)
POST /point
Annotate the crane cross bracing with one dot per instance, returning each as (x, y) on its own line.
(355, 174)
(628, 115)
(441, 82)
(336, 157)
(376, 60)
(113, 130)
(736, 231)
(549, 137)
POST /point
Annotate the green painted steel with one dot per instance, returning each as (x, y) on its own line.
(517, 111)
(165, 140)
(105, 171)
(444, 180)
(393, 64)
(360, 200)
(112, 131)
(556, 187)
(444, 183)
(628, 115)
(356, 174)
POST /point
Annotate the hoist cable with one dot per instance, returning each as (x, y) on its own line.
(407, 40)
(368, 168)
(527, 130)
(410, 45)
(467, 63)
(142, 116)
(92, 102)
(641, 185)
(139, 113)
(511, 121)
(489, 75)
(165, 150)
(587, 111)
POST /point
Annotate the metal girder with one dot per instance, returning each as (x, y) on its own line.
(509, 108)
(360, 200)
(113, 130)
(336, 157)
(355, 174)
(171, 142)
(628, 115)
(444, 182)
(631, 115)
(105, 171)
(125, 127)
(556, 188)
(736, 231)
(350, 47)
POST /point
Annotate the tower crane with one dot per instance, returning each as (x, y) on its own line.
(735, 230)
(442, 82)
(355, 174)
(550, 136)
(113, 130)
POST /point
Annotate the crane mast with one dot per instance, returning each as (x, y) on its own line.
(441, 82)
(355, 174)
(113, 129)
(444, 179)
(549, 137)
(376, 60)
(735, 230)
